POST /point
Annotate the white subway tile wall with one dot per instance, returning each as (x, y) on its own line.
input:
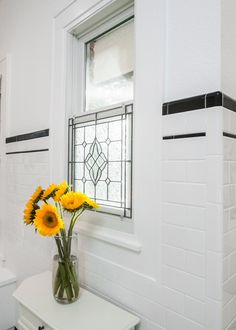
(24, 172)
(192, 220)
(229, 219)
(190, 230)
(192, 236)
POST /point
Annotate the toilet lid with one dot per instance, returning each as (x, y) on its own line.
(6, 277)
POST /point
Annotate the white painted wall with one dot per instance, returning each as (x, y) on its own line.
(193, 51)
(26, 34)
(177, 55)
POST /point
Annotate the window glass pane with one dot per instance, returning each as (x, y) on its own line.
(79, 171)
(115, 130)
(101, 191)
(79, 136)
(115, 171)
(89, 188)
(109, 67)
(101, 164)
(115, 151)
(101, 131)
(78, 185)
(114, 191)
(79, 153)
(89, 134)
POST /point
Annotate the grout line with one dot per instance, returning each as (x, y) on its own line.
(200, 254)
(229, 278)
(184, 182)
(230, 323)
(191, 205)
(184, 227)
(183, 271)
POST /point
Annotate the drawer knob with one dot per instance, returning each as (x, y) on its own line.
(41, 328)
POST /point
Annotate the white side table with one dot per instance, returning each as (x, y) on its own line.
(38, 309)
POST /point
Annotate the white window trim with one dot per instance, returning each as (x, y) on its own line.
(80, 36)
(126, 240)
(103, 24)
(65, 53)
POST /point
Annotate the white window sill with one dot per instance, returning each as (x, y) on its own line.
(114, 237)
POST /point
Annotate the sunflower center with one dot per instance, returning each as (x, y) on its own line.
(50, 220)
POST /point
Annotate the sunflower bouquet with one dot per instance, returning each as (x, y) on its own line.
(46, 211)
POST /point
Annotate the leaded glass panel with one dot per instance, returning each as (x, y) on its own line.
(100, 157)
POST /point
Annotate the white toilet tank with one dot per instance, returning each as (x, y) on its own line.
(7, 302)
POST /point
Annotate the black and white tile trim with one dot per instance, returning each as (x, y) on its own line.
(199, 102)
(203, 101)
(28, 136)
(25, 137)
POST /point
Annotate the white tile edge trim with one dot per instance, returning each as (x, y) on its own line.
(114, 237)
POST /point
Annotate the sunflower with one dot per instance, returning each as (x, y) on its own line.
(91, 204)
(50, 191)
(63, 188)
(29, 212)
(37, 195)
(47, 220)
(72, 201)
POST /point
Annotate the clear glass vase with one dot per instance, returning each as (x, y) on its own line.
(65, 277)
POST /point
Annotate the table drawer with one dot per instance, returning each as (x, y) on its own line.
(29, 321)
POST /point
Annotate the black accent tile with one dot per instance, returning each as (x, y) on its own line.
(28, 136)
(188, 104)
(229, 103)
(230, 135)
(213, 99)
(183, 136)
(165, 109)
(25, 151)
(199, 102)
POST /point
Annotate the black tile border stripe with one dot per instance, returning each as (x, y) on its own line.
(229, 103)
(199, 102)
(183, 105)
(25, 151)
(28, 136)
(183, 136)
(230, 135)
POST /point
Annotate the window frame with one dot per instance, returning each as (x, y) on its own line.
(107, 230)
(79, 38)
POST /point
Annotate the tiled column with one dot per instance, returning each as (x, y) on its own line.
(193, 204)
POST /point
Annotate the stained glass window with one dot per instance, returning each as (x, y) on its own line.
(100, 157)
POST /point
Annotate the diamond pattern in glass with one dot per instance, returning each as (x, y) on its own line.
(95, 161)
